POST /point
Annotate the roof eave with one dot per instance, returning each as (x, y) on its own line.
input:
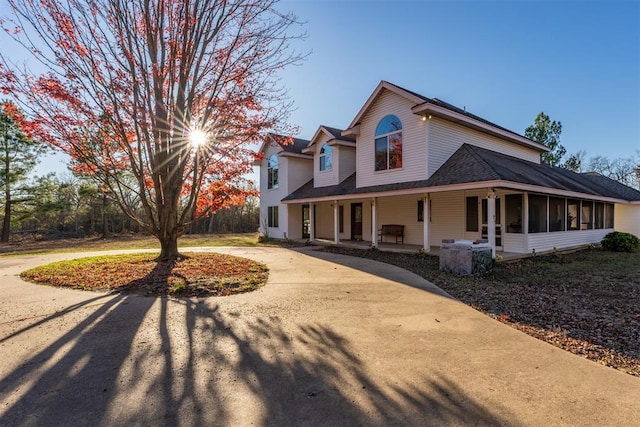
(426, 108)
(341, 142)
(296, 155)
(464, 186)
(382, 85)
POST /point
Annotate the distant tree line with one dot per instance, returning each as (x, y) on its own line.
(71, 205)
(52, 206)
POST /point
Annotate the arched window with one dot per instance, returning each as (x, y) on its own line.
(388, 144)
(326, 161)
(272, 172)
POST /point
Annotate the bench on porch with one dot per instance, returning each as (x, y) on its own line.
(394, 230)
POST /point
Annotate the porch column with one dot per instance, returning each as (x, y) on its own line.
(374, 222)
(336, 236)
(491, 220)
(312, 221)
(426, 214)
(525, 219)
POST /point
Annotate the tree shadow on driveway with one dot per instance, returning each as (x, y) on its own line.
(161, 361)
(376, 268)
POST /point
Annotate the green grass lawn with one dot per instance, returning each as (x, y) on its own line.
(123, 242)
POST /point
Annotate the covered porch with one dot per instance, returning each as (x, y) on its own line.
(424, 218)
(517, 206)
(405, 248)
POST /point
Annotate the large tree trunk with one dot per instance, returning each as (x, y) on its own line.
(168, 227)
(168, 235)
(169, 247)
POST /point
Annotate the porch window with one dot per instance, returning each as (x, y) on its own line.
(472, 213)
(573, 214)
(341, 218)
(420, 210)
(272, 216)
(599, 216)
(587, 215)
(608, 215)
(326, 161)
(272, 172)
(556, 214)
(388, 144)
(537, 213)
(513, 211)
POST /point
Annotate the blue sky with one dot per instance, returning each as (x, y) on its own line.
(506, 61)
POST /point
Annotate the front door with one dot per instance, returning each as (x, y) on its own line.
(306, 222)
(356, 221)
(485, 221)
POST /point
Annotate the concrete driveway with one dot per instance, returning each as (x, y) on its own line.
(330, 340)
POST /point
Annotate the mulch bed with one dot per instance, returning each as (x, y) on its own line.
(196, 274)
(586, 302)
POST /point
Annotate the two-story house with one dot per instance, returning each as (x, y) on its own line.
(439, 172)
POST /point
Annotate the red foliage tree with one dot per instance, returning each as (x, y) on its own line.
(128, 82)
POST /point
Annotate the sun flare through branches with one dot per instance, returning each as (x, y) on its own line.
(123, 78)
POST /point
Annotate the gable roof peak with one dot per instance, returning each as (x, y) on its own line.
(287, 144)
(333, 134)
(385, 85)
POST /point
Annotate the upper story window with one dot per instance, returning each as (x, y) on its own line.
(326, 162)
(272, 172)
(388, 143)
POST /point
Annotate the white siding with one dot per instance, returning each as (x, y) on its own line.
(563, 239)
(292, 174)
(272, 197)
(513, 242)
(446, 137)
(346, 162)
(366, 220)
(404, 211)
(324, 178)
(294, 221)
(627, 218)
(324, 221)
(447, 217)
(414, 153)
(299, 172)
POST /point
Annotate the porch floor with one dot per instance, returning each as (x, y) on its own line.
(404, 248)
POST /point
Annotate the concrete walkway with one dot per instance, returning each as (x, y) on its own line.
(330, 340)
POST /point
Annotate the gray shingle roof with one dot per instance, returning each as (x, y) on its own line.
(474, 164)
(613, 186)
(346, 187)
(337, 133)
(294, 146)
